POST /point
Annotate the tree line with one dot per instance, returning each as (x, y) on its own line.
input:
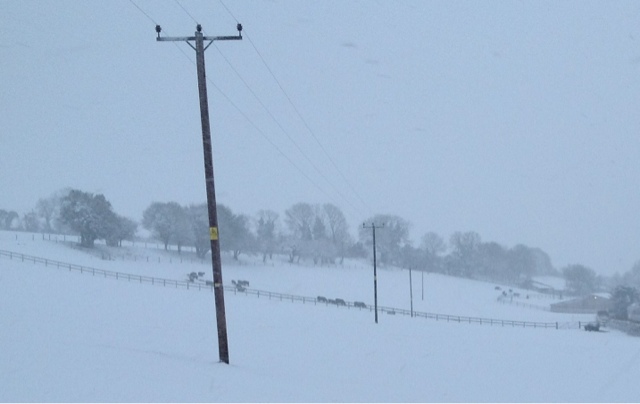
(317, 233)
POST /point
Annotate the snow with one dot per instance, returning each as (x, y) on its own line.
(82, 338)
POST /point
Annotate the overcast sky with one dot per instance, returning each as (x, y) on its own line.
(515, 119)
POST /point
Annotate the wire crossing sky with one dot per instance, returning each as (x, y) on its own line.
(517, 120)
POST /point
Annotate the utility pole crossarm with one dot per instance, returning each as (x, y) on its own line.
(199, 36)
(193, 38)
(175, 38)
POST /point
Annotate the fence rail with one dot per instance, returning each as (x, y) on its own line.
(207, 286)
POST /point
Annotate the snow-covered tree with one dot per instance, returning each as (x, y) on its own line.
(168, 222)
(89, 215)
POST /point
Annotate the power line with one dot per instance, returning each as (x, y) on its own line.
(315, 167)
(185, 10)
(285, 132)
(251, 122)
(143, 12)
(248, 37)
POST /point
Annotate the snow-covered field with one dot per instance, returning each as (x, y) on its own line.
(72, 337)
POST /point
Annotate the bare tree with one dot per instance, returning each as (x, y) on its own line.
(266, 233)
(337, 228)
(167, 222)
(390, 239)
(432, 245)
(464, 256)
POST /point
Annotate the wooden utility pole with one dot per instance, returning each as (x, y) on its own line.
(411, 291)
(375, 274)
(216, 264)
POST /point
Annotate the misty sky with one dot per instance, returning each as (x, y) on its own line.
(514, 119)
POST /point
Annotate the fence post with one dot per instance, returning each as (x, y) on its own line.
(556, 325)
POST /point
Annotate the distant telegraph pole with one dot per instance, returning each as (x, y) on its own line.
(411, 291)
(375, 274)
(223, 346)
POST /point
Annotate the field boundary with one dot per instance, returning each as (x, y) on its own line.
(200, 285)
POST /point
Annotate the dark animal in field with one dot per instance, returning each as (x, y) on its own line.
(340, 302)
(592, 327)
(321, 299)
(243, 283)
(360, 304)
(200, 273)
(498, 288)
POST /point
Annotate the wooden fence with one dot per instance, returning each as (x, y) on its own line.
(200, 285)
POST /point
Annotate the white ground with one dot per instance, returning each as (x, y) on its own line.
(72, 337)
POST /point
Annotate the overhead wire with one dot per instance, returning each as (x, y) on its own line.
(272, 116)
(285, 131)
(297, 111)
(186, 11)
(244, 115)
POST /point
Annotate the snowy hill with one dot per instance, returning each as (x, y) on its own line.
(73, 337)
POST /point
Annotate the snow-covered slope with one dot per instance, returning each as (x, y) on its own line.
(72, 337)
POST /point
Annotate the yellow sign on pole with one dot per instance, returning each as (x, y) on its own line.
(213, 232)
